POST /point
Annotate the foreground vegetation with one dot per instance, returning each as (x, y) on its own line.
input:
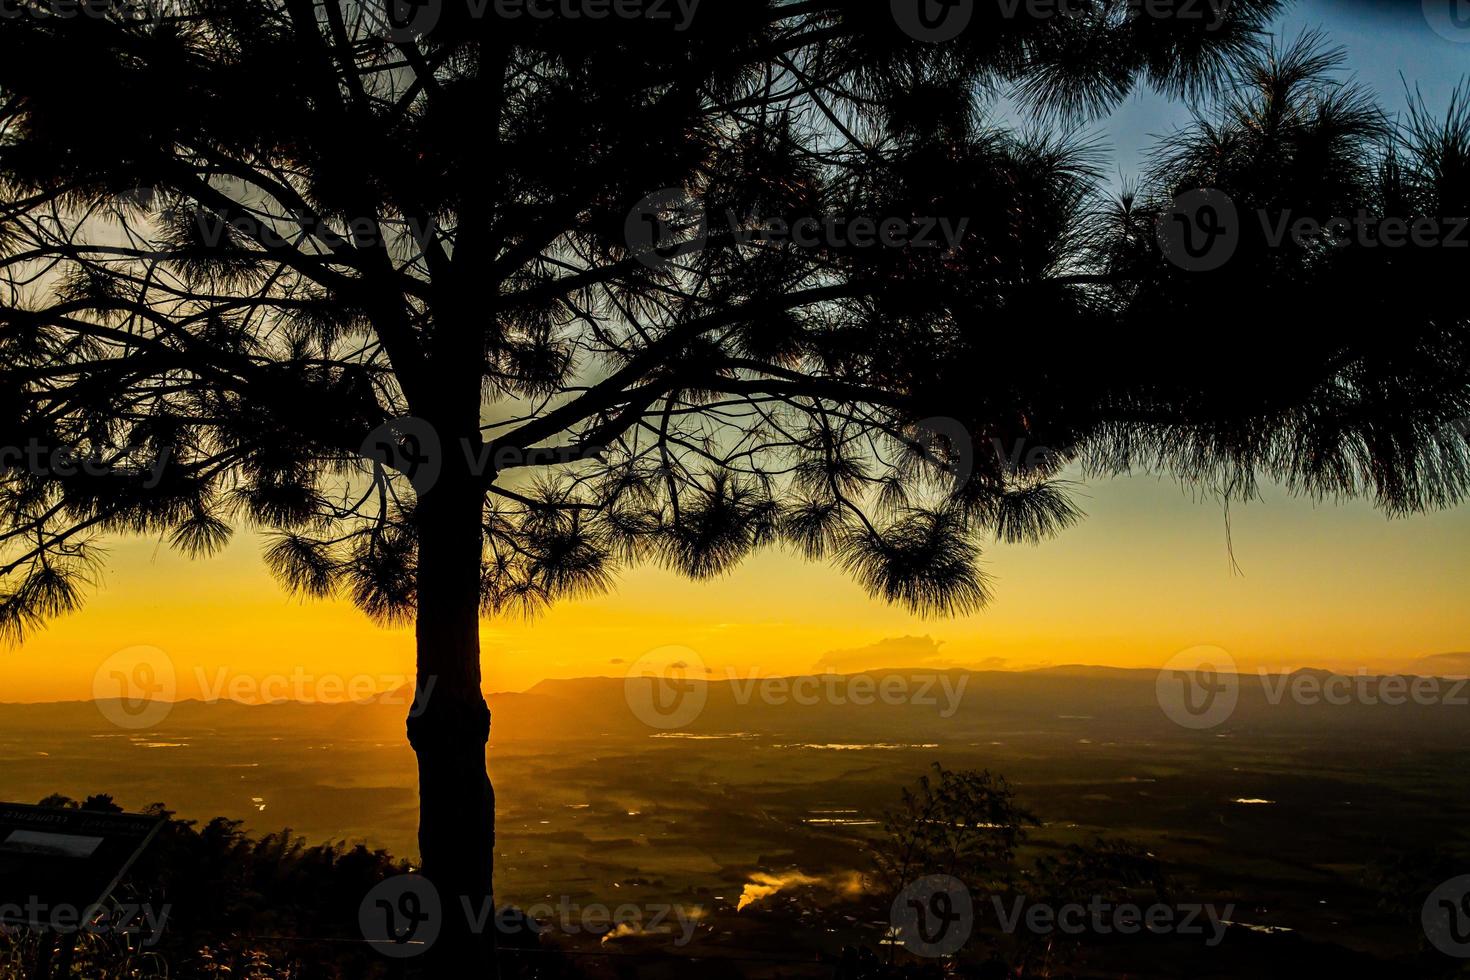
(274, 907)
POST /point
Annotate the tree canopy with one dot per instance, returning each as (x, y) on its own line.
(241, 236)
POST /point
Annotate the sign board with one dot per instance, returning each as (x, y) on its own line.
(64, 859)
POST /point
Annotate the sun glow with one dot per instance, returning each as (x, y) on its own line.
(1147, 574)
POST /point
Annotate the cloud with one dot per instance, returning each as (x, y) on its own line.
(892, 651)
(898, 652)
(1441, 664)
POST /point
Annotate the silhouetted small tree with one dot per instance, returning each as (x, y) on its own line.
(968, 825)
(1104, 870)
(964, 824)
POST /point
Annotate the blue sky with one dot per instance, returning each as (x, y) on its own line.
(1388, 43)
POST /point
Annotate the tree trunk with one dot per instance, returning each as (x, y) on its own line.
(449, 728)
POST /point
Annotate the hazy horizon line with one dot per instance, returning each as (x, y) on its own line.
(746, 676)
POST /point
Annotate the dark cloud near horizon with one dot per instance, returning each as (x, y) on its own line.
(1441, 661)
(897, 652)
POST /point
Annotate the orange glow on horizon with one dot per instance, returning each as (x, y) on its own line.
(1145, 575)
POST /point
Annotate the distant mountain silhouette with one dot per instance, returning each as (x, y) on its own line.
(931, 706)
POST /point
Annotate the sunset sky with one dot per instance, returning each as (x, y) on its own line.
(1147, 574)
